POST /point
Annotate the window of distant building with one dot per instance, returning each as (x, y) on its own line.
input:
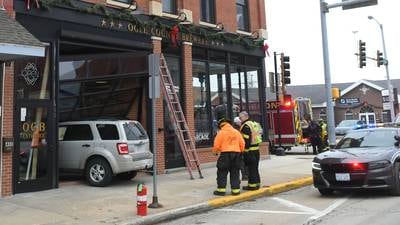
(207, 10)
(123, 3)
(322, 115)
(242, 15)
(348, 115)
(169, 6)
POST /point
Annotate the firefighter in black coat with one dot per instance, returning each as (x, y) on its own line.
(251, 151)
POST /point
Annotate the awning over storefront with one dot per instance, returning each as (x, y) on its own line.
(16, 41)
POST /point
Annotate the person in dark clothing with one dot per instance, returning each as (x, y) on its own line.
(251, 151)
(315, 134)
(244, 170)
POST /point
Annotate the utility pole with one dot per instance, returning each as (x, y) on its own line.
(279, 150)
(324, 8)
(389, 85)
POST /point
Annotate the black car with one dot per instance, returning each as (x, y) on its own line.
(368, 158)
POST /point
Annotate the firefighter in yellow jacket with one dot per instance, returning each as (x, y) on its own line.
(229, 144)
(251, 132)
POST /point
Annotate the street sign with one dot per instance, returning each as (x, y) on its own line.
(349, 100)
(359, 4)
(154, 75)
(272, 82)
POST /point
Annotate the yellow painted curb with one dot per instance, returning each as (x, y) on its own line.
(266, 191)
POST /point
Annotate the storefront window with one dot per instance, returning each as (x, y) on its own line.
(173, 153)
(33, 77)
(102, 67)
(218, 93)
(73, 70)
(203, 135)
(118, 86)
(253, 95)
(238, 90)
(174, 67)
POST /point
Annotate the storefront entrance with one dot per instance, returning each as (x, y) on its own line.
(367, 114)
(34, 152)
(35, 148)
(369, 118)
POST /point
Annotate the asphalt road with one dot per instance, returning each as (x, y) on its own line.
(306, 206)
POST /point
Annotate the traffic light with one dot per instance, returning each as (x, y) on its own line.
(361, 54)
(379, 58)
(285, 66)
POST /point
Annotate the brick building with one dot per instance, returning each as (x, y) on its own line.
(96, 65)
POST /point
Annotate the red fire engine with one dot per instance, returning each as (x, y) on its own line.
(287, 122)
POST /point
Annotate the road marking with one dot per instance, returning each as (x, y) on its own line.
(323, 213)
(294, 205)
(264, 211)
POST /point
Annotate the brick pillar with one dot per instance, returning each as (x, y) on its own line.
(156, 42)
(188, 86)
(8, 112)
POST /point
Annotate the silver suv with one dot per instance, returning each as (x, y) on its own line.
(101, 149)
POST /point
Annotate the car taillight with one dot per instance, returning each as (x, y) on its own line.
(122, 148)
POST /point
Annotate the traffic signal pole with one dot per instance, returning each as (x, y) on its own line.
(277, 100)
(328, 84)
(324, 8)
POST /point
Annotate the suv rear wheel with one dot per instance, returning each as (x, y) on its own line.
(98, 172)
(127, 175)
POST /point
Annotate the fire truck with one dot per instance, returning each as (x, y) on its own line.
(288, 122)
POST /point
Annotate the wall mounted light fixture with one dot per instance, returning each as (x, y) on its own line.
(219, 26)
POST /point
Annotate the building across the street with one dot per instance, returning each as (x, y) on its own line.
(95, 65)
(362, 100)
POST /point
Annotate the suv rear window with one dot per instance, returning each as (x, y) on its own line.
(134, 131)
(108, 131)
(76, 132)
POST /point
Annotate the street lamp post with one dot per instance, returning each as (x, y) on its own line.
(389, 85)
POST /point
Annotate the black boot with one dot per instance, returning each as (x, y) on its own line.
(219, 193)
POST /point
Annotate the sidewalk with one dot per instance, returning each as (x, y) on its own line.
(76, 203)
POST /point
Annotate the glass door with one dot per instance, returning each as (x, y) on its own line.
(33, 155)
(34, 164)
(368, 118)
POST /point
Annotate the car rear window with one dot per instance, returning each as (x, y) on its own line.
(368, 138)
(78, 132)
(108, 131)
(134, 131)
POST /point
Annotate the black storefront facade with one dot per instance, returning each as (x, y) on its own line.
(96, 67)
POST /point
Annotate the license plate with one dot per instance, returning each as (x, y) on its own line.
(342, 176)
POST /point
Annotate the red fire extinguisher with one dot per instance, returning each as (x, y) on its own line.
(141, 203)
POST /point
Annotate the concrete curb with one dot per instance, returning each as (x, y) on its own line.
(220, 202)
(266, 191)
(170, 214)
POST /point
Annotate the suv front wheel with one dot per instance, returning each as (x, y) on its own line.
(98, 172)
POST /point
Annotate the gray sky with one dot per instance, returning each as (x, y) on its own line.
(294, 28)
